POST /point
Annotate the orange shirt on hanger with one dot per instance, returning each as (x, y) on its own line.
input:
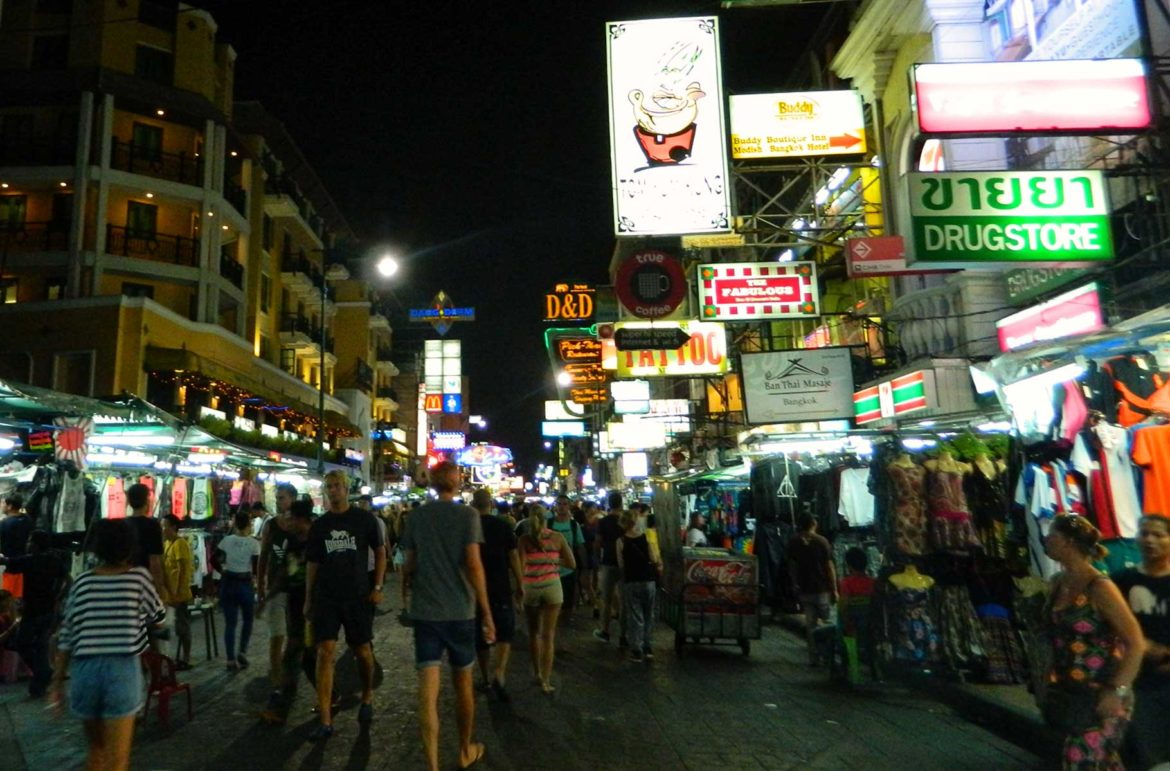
(1151, 451)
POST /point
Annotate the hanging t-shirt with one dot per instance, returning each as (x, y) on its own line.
(1151, 451)
(1035, 493)
(1118, 472)
(69, 511)
(856, 501)
(201, 499)
(179, 498)
(114, 499)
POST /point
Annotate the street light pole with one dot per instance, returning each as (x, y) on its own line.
(321, 384)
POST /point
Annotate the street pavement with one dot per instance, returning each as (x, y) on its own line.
(713, 708)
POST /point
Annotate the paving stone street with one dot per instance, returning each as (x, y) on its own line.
(713, 708)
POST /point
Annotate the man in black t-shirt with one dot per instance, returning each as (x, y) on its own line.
(499, 557)
(44, 577)
(338, 594)
(148, 531)
(608, 573)
(813, 574)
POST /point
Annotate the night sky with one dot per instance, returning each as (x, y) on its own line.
(475, 143)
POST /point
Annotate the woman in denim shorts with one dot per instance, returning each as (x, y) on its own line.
(103, 631)
(542, 553)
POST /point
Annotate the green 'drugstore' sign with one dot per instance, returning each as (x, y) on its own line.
(960, 218)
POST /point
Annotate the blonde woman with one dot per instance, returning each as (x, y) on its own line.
(542, 553)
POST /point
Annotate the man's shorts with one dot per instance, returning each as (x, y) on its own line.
(329, 616)
(609, 578)
(817, 608)
(106, 687)
(276, 614)
(505, 620)
(457, 638)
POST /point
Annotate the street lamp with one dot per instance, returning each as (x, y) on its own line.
(387, 265)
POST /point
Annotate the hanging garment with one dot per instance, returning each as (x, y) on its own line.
(1151, 451)
(961, 633)
(950, 520)
(1118, 475)
(179, 497)
(856, 501)
(987, 500)
(1036, 495)
(909, 515)
(1074, 412)
(914, 635)
(1006, 664)
(114, 499)
(69, 513)
(201, 505)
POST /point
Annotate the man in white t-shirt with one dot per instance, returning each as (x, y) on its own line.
(695, 534)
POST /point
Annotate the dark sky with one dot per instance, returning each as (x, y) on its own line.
(473, 138)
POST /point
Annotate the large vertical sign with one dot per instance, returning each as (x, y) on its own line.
(668, 145)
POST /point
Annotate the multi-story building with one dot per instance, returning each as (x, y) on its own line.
(151, 239)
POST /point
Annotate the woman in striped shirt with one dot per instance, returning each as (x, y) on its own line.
(543, 552)
(103, 631)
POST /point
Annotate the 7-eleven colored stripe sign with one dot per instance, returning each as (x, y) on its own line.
(894, 398)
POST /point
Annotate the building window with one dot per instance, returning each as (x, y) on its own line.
(50, 52)
(288, 361)
(12, 211)
(265, 292)
(62, 211)
(159, 14)
(265, 347)
(8, 287)
(268, 234)
(141, 220)
(155, 65)
(132, 289)
(147, 142)
(55, 289)
(73, 372)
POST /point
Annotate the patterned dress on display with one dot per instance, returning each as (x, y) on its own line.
(909, 496)
(915, 639)
(950, 519)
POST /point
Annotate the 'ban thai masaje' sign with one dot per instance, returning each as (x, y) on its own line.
(1009, 216)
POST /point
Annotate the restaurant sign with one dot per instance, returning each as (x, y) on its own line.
(752, 291)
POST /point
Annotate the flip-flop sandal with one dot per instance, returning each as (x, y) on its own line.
(482, 750)
(549, 689)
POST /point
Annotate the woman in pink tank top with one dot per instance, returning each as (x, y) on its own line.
(542, 552)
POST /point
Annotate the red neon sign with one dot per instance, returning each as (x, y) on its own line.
(1089, 96)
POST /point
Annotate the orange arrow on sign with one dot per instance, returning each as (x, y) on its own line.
(845, 140)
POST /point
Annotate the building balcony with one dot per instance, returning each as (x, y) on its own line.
(176, 167)
(383, 362)
(231, 270)
(386, 397)
(159, 247)
(378, 321)
(31, 237)
(296, 331)
(299, 274)
(956, 319)
(38, 151)
(237, 197)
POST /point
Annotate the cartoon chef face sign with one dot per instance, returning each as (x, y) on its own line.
(665, 115)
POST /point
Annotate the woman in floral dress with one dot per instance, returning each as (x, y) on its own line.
(1096, 641)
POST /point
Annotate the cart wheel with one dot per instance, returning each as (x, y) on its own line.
(745, 646)
(679, 640)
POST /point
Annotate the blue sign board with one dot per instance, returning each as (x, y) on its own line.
(453, 404)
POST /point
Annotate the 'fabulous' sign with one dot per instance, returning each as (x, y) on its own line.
(751, 291)
(959, 218)
(798, 386)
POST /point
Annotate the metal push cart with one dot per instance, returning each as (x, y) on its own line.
(717, 601)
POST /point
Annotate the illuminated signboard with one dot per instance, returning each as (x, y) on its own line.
(630, 390)
(894, 398)
(1084, 97)
(441, 313)
(433, 403)
(960, 218)
(585, 374)
(1026, 284)
(570, 302)
(636, 435)
(796, 124)
(635, 465)
(578, 349)
(705, 353)
(1072, 313)
(557, 410)
(448, 440)
(483, 455)
(557, 428)
(667, 142)
(798, 386)
(587, 395)
(750, 291)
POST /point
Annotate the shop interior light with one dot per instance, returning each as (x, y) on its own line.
(914, 443)
(6, 444)
(130, 440)
(120, 459)
(995, 427)
(1044, 381)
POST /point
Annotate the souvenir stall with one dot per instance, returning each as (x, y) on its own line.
(723, 497)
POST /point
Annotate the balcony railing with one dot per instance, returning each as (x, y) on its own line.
(291, 322)
(152, 246)
(35, 237)
(384, 353)
(386, 392)
(38, 151)
(297, 262)
(363, 375)
(231, 270)
(236, 196)
(177, 167)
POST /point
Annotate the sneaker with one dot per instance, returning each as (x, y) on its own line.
(623, 642)
(647, 654)
(636, 656)
(242, 661)
(600, 635)
(365, 713)
(501, 694)
(321, 733)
